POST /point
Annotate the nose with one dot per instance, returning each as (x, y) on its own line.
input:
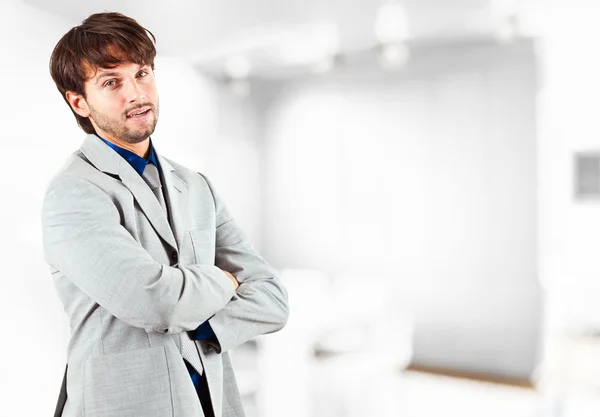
(133, 91)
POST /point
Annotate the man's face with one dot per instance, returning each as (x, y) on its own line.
(122, 102)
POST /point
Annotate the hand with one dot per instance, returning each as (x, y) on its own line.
(236, 284)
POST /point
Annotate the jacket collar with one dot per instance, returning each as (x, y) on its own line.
(105, 159)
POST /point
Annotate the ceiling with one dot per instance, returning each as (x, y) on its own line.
(206, 32)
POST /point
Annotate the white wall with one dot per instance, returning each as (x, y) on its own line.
(205, 128)
(38, 134)
(568, 119)
(427, 178)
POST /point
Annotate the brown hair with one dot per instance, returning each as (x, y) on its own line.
(102, 40)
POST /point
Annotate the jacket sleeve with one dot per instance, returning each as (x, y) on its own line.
(261, 305)
(85, 241)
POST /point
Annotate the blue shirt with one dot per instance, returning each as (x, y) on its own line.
(204, 331)
(137, 162)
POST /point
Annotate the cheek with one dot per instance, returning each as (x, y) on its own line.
(151, 92)
(114, 106)
(108, 103)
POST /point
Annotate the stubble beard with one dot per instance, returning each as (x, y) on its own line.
(117, 128)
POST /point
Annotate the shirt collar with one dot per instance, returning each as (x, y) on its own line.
(137, 162)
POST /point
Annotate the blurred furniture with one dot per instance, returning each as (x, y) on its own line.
(341, 352)
(569, 380)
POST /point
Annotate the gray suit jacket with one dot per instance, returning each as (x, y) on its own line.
(131, 280)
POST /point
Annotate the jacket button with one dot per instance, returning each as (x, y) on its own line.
(174, 255)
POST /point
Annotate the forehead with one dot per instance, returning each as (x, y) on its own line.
(116, 61)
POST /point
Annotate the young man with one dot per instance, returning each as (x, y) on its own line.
(157, 279)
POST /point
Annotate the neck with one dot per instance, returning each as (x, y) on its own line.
(141, 149)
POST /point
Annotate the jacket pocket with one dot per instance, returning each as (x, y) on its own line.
(131, 383)
(203, 243)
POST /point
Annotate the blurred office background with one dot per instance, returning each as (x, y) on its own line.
(424, 175)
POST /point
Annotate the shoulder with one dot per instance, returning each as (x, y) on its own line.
(76, 182)
(187, 175)
(71, 172)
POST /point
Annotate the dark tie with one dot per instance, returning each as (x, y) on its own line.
(188, 347)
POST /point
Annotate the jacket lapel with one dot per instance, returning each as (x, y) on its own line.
(107, 160)
(176, 196)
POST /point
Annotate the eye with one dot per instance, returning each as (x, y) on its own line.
(142, 73)
(110, 83)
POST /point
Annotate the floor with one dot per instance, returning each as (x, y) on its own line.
(417, 394)
(424, 395)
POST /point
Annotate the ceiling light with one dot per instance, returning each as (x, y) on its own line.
(324, 65)
(237, 67)
(326, 38)
(393, 55)
(314, 43)
(508, 29)
(392, 23)
(506, 14)
(239, 87)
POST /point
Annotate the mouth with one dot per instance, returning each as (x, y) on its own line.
(139, 113)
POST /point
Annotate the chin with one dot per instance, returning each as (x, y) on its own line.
(139, 136)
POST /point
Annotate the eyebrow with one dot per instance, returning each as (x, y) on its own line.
(105, 73)
(102, 74)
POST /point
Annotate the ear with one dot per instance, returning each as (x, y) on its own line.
(78, 103)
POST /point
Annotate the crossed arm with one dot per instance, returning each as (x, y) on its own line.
(261, 304)
(84, 240)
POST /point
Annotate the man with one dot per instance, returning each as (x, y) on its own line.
(157, 279)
